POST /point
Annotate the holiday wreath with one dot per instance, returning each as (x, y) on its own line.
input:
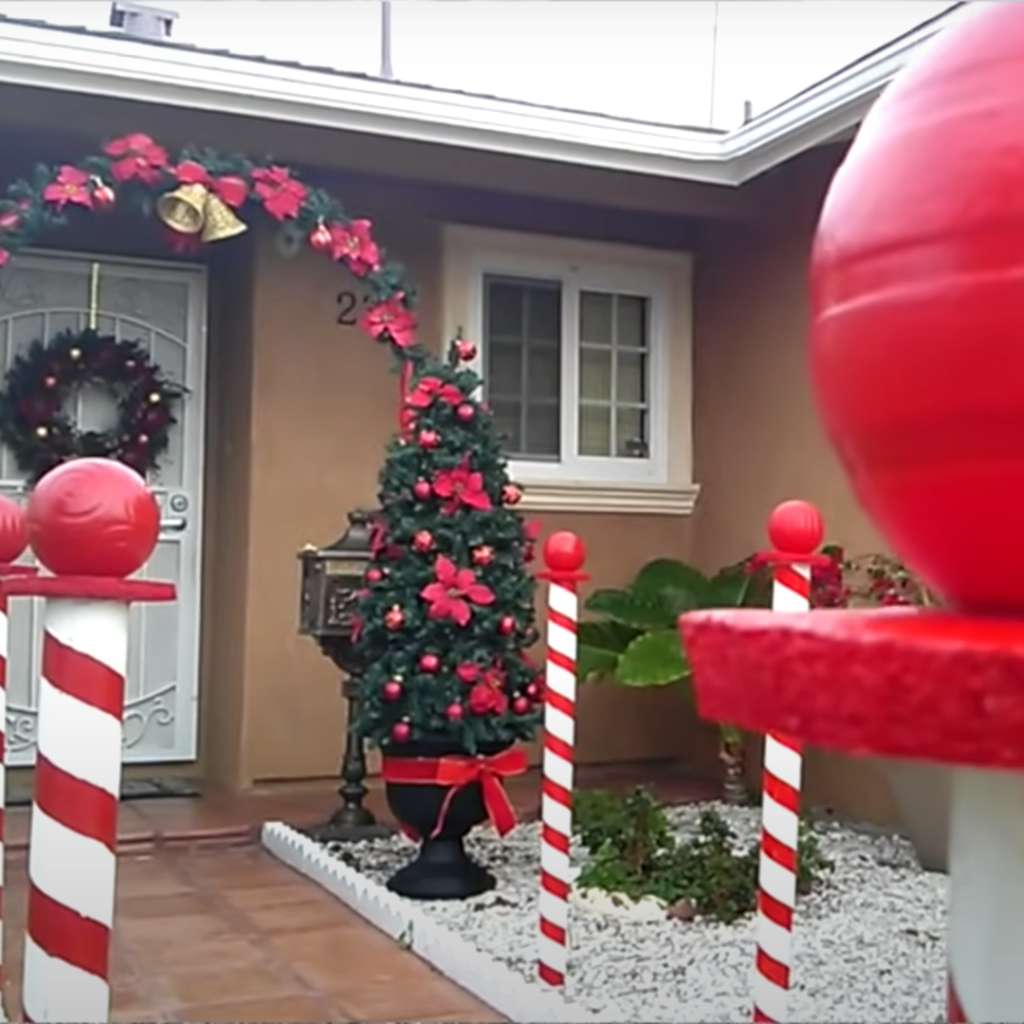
(37, 426)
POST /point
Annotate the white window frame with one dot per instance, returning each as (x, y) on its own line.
(577, 276)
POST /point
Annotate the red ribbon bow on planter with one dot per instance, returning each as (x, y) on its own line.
(458, 772)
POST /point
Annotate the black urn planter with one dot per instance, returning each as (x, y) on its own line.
(442, 870)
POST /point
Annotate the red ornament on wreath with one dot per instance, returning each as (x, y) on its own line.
(521, 706)
(506, 625)
(422, 541)
(454, 712)
(401, 731)
(511, 494)
(428, 438)
(465, 349)
(394, 618)
(392, 690)
(465, 412)
(429, 662)
(422, 490)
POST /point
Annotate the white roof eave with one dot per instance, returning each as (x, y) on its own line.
(51, 58)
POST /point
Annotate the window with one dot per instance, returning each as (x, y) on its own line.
(584, 350)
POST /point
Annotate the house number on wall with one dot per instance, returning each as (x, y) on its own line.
(348, 307)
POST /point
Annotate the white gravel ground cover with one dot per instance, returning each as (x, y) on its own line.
(869, 942)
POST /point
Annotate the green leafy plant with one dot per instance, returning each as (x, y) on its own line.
(632, 850)
(634, 640)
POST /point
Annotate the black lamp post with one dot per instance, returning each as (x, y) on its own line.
(331, 577)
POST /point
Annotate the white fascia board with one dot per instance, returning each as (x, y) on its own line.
(51, 58)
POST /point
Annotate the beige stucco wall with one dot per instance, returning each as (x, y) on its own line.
(300, 409)
(758, 440)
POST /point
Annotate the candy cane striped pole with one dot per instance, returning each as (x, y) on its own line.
(92, 522)
(13, 541)
(563, 555)
(795, 531)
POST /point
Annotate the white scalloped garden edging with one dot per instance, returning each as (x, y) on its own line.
(492, 982)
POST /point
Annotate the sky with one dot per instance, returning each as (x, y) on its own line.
(690, 62)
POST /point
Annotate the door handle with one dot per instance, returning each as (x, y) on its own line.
(174, 525)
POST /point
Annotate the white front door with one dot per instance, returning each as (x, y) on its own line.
(164, 306)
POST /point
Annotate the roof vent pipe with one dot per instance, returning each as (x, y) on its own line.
(141, 21)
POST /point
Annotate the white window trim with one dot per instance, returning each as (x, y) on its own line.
(660, 484)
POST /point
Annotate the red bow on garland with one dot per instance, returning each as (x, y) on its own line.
(458, 772)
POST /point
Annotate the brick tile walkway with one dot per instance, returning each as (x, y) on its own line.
(211, 928)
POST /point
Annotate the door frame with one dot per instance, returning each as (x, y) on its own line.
(196, 277)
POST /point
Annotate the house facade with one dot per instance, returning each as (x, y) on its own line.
(636, 292)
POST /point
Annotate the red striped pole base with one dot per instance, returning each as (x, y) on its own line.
(72, 852)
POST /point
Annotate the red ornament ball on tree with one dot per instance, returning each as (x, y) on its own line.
(520, 705)
(423, 540)
(394, 618)
(533, 691)
(421, 490)
(13, 531)
(511, 494)
(795, 527)
(428, 438)
(374, 575)
(465, 349)
(916, 349)
(483, 555)
(506, 625)
(92, 517)
(400, 732)
(430, 662)
(454, 712)
(465, 412)
(391, 690)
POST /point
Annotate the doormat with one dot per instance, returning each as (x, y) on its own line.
(131, 789)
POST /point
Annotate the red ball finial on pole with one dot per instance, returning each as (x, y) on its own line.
(92, 517)
(564, 553)
(13, 532)
(796, 528)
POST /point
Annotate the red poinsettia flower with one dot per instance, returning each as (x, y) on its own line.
(136, 156)
(70, 186)
(453, 591)
(467, 672)
(233, 190)
(461, 486)
(281, 194)
(390, 318)
(353, 244)
(488, 695)
(429, 388)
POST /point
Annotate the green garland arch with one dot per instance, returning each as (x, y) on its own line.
(135, 170)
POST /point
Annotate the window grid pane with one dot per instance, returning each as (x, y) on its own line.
(522, 365)
(614, 362)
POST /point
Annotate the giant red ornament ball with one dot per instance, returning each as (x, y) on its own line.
(13, 531)
(796, 528)
(92, 517)
(917, 322)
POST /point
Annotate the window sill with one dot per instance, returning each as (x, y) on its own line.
(609, 498)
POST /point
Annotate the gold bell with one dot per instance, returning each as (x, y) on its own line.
(182, 209)
(195, 210)
(220, 221)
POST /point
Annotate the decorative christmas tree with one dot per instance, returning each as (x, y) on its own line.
(447, 612)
